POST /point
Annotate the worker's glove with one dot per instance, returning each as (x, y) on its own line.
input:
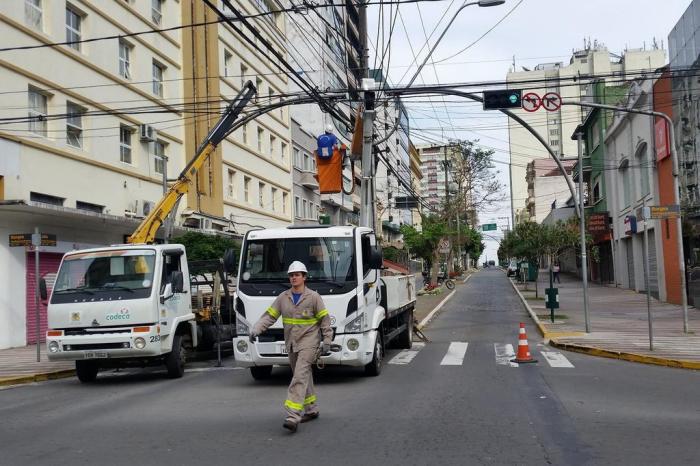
(253, 336)
(325, 348)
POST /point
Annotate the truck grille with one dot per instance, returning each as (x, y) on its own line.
(96, 346)
(82, 331)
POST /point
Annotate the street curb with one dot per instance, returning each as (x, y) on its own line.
(533, 316)
(31, 378)
(633, 357)
(427, 318)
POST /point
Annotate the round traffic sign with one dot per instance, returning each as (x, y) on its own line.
(551, 101)
(531, 102)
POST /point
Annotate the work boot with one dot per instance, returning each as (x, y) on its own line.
(290, 425)
(309, 417)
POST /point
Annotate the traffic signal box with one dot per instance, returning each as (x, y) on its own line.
(507, 98)
(330, 171)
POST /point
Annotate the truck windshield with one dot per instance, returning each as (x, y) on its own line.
(126, 273)
(328, 260)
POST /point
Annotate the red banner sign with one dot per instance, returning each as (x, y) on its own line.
(663, 148)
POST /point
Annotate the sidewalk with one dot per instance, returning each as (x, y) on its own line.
(19, 365)
(618, 323)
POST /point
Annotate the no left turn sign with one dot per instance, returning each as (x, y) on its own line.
(551, 101)
(531, 102)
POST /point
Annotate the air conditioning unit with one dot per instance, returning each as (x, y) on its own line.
(147, 207)
(147, 133)
(132, 209)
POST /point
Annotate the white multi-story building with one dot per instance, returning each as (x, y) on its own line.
(92, 129)
(556, 127)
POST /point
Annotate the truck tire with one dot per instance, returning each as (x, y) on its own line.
(261, 372)
(86, 371)
(405, 339)
(374, 368)
(175, 359)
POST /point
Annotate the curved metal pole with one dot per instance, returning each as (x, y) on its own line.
(523, 123)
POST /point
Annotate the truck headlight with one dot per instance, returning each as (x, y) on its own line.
(353, 344)
(242, 326)
(242, 346)
(356, 324)
(53, 347)
(139, 343)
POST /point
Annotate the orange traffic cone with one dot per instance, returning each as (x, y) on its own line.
(523, 348)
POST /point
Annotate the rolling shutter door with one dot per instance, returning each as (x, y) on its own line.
(630, 263)
(48, 266)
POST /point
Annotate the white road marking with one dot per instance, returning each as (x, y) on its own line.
(407, 355)
(556, 359)
(504, 354)
(455, 354)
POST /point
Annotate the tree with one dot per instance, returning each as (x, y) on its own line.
(200, 246)
(424, 244)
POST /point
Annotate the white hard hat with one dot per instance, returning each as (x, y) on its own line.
(297, 266)
(329, 128)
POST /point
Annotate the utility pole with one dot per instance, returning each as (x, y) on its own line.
(582, 224)
(367, 194)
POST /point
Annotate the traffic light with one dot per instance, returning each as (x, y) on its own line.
(496, 100)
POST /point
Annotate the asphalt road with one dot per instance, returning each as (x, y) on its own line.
(434, 405)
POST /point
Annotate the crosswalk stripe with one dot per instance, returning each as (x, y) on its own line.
(455, 354)
(407, 355)
(556, 359)
(504, 354)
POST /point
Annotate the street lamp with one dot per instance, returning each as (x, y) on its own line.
(481, 3)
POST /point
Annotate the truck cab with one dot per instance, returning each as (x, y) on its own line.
(343, 265)
(121, 305)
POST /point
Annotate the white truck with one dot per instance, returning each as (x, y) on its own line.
(368, 311)
(135, 305)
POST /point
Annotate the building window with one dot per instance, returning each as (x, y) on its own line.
(273, 199)
(125, 144)
(284, 202)
(554, 132)
(554, 142)
(159, 157)
(273, 144)
(595, 134)
(33, 14)
(244, 74)
(259, 84)
(157, 11)
(74, 125)
(228, 61)
(307, 162)
(297, 207)
(244, 133)
(261, 195)
(626, 183)
(246, 189)
(124, 63)
(46, 198)
(297, 159)
(643, 162)
(283, 152)
(305, 208)
(158, 70)
(81, 205)
(231, 184)
(260, 139)
(73, 20)
(37, 111)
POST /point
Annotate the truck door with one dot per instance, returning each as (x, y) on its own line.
(370, 277)
(179, 304)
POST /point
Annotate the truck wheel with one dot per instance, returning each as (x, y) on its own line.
(261, 372)
(405, 339)
(175, 359)
(374, 368)
(86, 371)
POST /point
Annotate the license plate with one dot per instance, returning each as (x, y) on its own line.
(94, 355)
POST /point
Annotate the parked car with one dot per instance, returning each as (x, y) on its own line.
(512, 268)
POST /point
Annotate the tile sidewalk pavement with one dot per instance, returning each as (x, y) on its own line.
(19, 365)
(618, 323)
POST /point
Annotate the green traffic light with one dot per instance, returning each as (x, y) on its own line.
(513, 98)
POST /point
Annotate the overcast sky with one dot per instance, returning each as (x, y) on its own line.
(535, 31)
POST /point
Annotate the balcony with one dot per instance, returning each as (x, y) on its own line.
(308, 180)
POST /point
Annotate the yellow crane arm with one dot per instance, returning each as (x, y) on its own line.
(146, 231)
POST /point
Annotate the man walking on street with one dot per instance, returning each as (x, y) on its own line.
(555, 272)
(307, 332)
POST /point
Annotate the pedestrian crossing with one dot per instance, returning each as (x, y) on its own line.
(456, 355)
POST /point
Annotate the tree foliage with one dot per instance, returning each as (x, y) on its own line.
(200, 246)
(424, 244)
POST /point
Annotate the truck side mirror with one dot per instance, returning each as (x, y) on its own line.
(42, 289)
(230, 261)
(176, 281)
(376, 260)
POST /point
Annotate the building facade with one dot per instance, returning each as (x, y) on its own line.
(545, 187)
(556, 127)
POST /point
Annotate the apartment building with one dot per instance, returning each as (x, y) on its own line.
(556, 127)
(92, 129)
(546, 187)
